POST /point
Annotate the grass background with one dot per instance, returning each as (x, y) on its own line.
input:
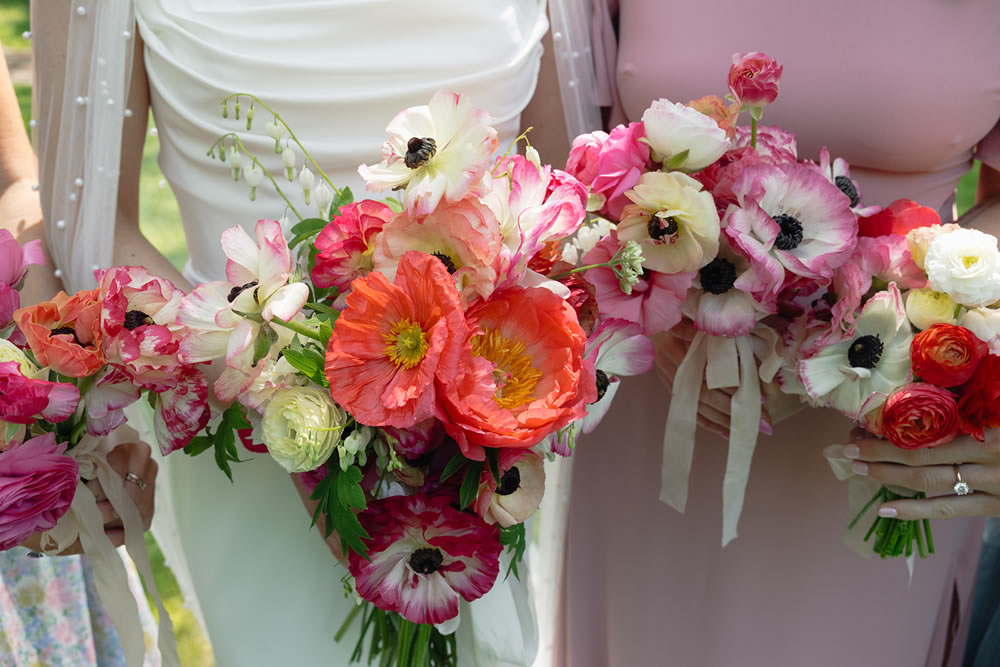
(161, 224)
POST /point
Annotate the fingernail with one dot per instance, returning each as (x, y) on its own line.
(765, 428)
(859, 467)
(852, 451)
(887, 512)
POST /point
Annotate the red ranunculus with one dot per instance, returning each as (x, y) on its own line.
(946, 355)
(979, 399)
(753, 79)
(900, 217)
(919, 415)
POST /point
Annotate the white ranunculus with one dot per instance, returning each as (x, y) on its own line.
(673, 128)
(965, 264)
(925, 308)
(301, 427)
(919, 239)
(985, 323)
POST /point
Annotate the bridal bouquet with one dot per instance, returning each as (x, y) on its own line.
(412, 360)
(794, 289)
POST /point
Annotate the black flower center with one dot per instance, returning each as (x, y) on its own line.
(510, 482)
(847, 186)
(865, 352)
(236, 291)
(660, 228)
(419, 151)
(426, 561)
(602, 383)
(446, 260)
(68, 331)
(790, 235)
(718, 276)
(135, 319)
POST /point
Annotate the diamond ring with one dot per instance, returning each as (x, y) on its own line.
(961, 487)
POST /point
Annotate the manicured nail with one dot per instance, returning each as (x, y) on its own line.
(765, 428)
(852, 451)
(859, 467)
(887, 512)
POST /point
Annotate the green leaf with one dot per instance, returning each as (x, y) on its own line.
(323, 309)
(341, 199)
(453, 466)
(233, 419)
(262, 344)
(198, 445)
(493, 459)
(339, 494)
(470, 484)
(309, 362)
(514, 539)
(309, 226)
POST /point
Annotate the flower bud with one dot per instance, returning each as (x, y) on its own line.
(306, 180)
(254, 175)
(235, 161)
(250, 117)
(925, 308)
(323, 198)
(276, 131)
(288, 158)
(753, 80)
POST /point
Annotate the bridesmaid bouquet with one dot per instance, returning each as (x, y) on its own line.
(68, 368)
(412, 360)
(793, 289)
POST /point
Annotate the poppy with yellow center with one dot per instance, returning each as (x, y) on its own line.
(406, 344)
(515, 375)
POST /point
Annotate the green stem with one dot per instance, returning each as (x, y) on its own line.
(291, 135)
(347, 623)
(523, 135)
(930, 540)
(220, 143)
(753, 131)
(300, 329)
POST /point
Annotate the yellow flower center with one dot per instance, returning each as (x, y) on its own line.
(970, 261)
(406, 344)
(515, 376)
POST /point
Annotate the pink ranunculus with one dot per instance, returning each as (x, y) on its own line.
(622, 161)
(774, 145)
(182, 411)
(37, 484)
(584, 155)
(345, 245)
(425, 557)
(138, 315)
(15, 258)
(656, 299)
(23, 399)
(719, 177)
(753, 79)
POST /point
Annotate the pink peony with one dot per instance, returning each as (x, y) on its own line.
(720, 176)
(23, 399)
(425, 556)
(622, 161)
(345, 245)
(37, 485)
(655, 301)
(753, 79)
(584, 156)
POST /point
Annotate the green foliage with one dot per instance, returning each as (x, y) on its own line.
(338, 495)
(223, 440)
(470, 484)
(306, 229)
(456, 463)
(514, 540)
(393, 641)
(493, 460)
(341, 199)
(309, 362)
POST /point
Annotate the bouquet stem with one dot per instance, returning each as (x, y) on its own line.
(895, 537)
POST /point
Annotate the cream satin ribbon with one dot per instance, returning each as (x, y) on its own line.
(83, 520)
(722, 362)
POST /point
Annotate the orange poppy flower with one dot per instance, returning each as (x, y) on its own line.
(65, 333)
(523, 375)
(393, 340)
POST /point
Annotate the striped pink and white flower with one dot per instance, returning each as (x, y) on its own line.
(425, 556)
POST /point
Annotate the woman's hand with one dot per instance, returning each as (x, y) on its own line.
(932, 470)
(713, 404)
(134, 464)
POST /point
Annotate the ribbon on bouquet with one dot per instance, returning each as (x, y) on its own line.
(83, 520)
(721, 362)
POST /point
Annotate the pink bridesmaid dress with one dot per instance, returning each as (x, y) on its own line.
(906, 91)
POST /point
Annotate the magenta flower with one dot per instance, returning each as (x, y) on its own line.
(345, 245)
(421, 438)
(622, 160)
(23, 399)
(753, 80)
(182, 411)
(584, 155)
(887, 258)
(425, 555)
(37, 485)
(10, 301)
(15, 258)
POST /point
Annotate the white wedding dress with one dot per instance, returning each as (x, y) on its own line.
(267, 587)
